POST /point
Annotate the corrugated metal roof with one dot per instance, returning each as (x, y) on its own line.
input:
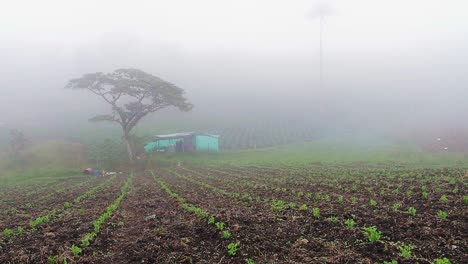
(175, 135)
(182, 134)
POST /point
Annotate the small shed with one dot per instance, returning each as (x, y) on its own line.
(184, 142)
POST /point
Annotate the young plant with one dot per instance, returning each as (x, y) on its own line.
(340, 199)
(395, 206)
(390, 262)
(350, 223)
(412, 211)
(7, 232)
(20, 230)
(303, 207)
(316, 212)
(76, 250)
(211, 220)
(249, 261)
(443, 198)
(442, 261)
(442, 214)
(373, 202)
(465, 199)
(226, 234)
(332, 219)
(373, 235)
(232, 248)
(425, 194)
(405, 251)
(219, 226)
(278, 205)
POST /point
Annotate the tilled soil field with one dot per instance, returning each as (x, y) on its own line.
(192, 214)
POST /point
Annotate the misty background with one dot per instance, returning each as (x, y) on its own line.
(393, 70)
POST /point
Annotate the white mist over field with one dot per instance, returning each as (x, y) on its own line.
(387, 65)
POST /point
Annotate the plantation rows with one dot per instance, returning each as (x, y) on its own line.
(313, 214)
(262, 135)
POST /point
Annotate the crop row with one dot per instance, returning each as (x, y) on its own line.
(225, 232)
(76, 250)
(278, 205)
(56, 213)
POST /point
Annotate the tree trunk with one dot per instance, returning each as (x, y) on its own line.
(127, 139)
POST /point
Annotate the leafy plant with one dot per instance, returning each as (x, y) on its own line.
(76, 250)
(395, 206)
(442, 261)
(20, 230)
(412, 211)
(67, 205)
(249, 261)
(226, 234)
(340, 199)
(332, 219)
(405, 251)
(350, 223)
(442, 214)
(390, 262)
(7, 232)
(373, 202)
(316, 212)
(52, 259)
(211, 220)
(373, 235)
(232, 248)
(219, 225)
(443, 198)
(303, 207)
(465, 199)
(278, 205)
(424, 195)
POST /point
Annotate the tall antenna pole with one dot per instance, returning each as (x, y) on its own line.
(321, 51)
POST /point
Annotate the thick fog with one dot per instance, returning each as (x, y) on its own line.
(387, 65)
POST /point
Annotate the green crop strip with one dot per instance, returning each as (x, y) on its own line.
(57, 213)
(99, 222)
(232, 247)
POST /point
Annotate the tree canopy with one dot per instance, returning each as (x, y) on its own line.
(132, 94)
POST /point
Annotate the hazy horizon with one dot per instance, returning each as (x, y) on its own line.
(388, 66)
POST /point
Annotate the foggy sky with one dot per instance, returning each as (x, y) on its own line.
(386, 63)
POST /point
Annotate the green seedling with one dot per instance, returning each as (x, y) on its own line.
(316, 212)
(76, 250)
(211, 220)
(219, 225)
(442, 261)
(232, 248)
(405, 251)
(350, 223)
(442, 214)
(7, 233)
(249, 261)
(373, 235)
(373, 202)
(412, 211)
(226, 234)
(303, 207)
(443, 198)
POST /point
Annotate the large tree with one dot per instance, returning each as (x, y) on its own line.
(132, 94)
